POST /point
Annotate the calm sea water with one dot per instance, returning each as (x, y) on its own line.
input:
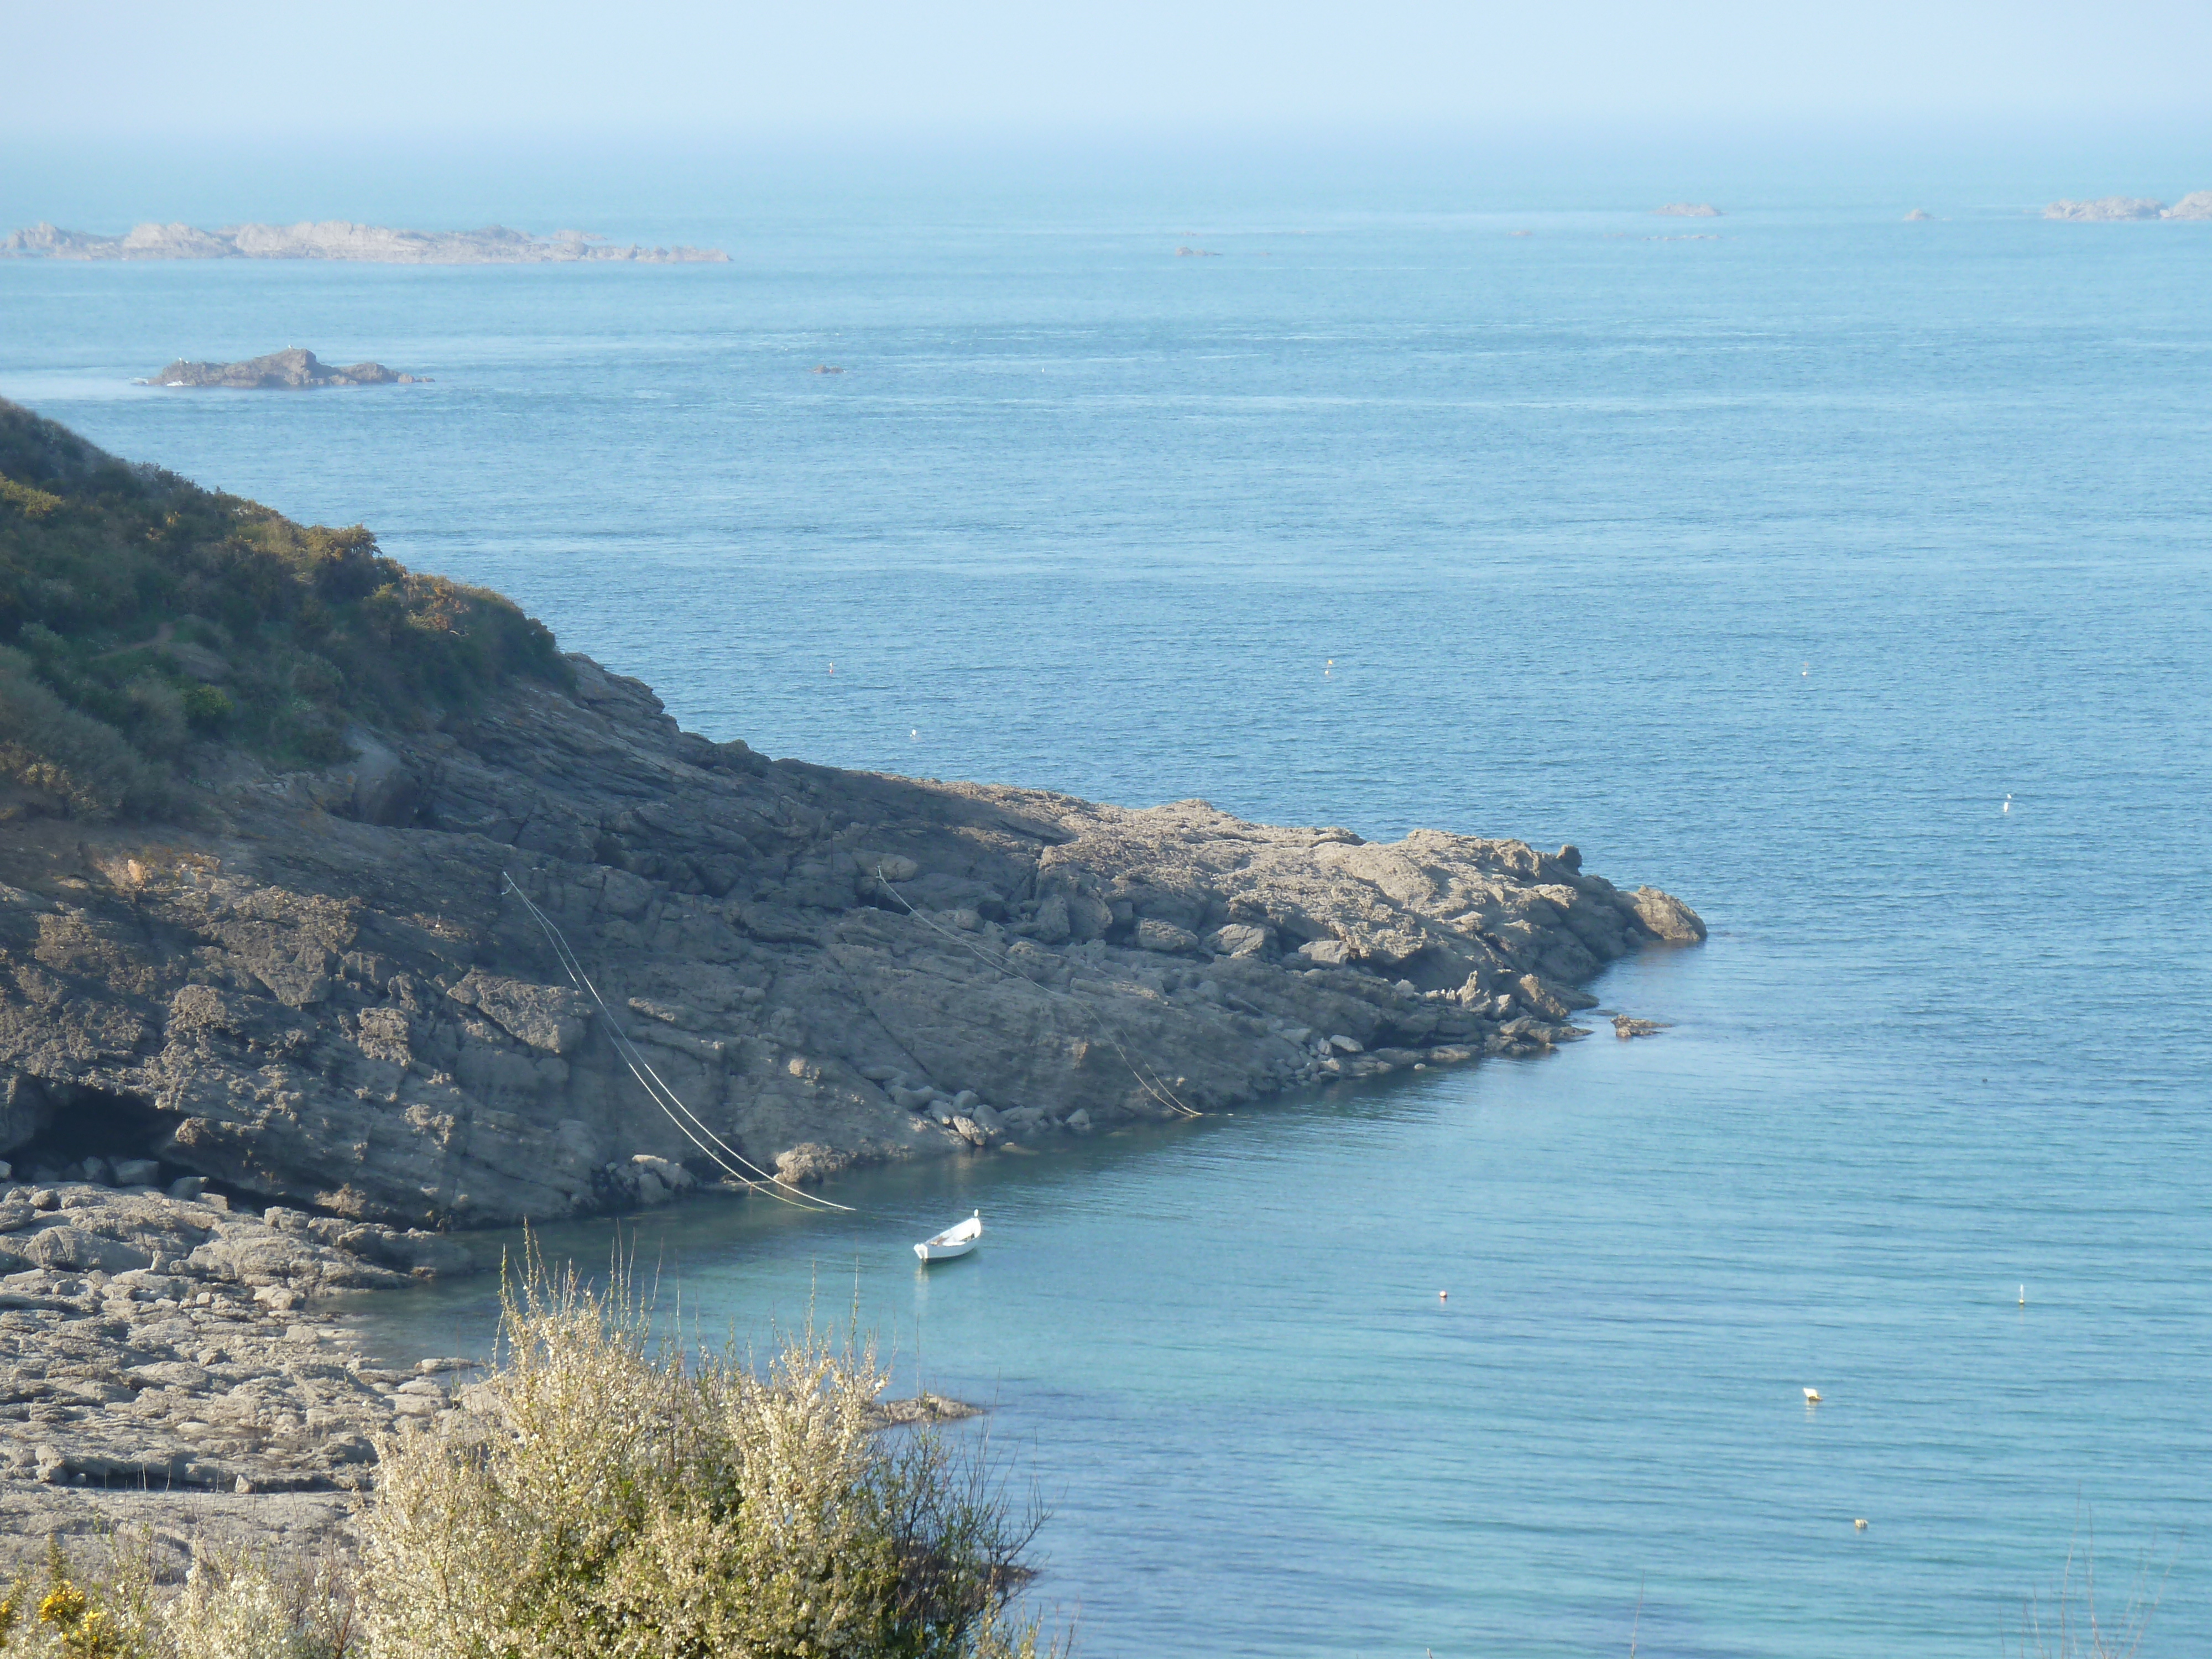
(1764, 567)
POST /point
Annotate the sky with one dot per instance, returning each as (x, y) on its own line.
(120, 69)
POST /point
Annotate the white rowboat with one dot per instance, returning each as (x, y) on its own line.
(953, 1241)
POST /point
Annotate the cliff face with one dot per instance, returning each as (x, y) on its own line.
(320, 992)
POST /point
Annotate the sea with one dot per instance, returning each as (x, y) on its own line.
(1844, 575)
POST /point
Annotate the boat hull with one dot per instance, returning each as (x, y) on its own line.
(944, 1252)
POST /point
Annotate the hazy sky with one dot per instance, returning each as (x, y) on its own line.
(122, 68)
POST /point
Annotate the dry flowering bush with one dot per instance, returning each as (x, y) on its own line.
(627, 1504)
(617, 1503)
(242, 1608)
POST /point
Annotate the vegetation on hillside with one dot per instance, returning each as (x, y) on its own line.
(140, 615)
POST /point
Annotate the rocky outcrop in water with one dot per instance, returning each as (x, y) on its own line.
(319, 989)
(339, 239)
(2120, 210)
(291, 369)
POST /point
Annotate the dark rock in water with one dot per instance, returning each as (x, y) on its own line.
(1625, 1028)
(291, 369)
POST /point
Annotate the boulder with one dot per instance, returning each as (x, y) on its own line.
(1166, 937)
(1667, 918)
(1237, 938)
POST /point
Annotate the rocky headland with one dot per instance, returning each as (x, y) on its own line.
(291, 369)
(317, 984)
(2120, 210)
(339, 239)
(270, 809)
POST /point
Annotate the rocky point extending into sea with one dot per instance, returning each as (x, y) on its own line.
(279, 1040)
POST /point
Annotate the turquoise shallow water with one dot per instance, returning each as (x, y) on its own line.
(1764, 568)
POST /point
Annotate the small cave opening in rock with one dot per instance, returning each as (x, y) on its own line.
(87, 1122)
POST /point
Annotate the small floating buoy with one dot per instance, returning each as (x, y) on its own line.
(1861, 1525)
(1812, 1396)
(1443, 1296)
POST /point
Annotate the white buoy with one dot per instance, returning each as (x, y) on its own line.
(1443, 1296)
(1861, 1525)
(1812, 1396)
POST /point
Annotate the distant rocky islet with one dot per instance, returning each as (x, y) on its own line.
(294, 369)
(2120, 210)
(340, 239)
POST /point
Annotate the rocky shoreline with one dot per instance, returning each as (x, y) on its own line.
(324, 989)
(167, 1361)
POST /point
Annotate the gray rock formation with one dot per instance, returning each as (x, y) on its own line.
(2197, 204)
(1688, 210)
(319, 990)
(338, 239)
(291, 369)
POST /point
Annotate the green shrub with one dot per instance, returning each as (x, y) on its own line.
(125, 589)
(207, 709)
(83, 762)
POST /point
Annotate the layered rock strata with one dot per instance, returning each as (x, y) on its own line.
(322, 992)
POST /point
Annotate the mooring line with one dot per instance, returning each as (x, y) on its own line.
(732, 1163)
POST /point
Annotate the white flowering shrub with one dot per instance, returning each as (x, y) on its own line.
(625, 1505)
(238, 1608)
(614, 1502)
